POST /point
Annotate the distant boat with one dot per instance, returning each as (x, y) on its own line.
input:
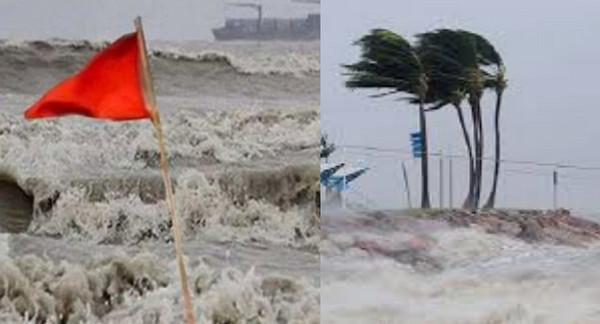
(260, 28)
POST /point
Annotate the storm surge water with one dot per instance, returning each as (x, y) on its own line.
(234, 71)
(387, 267)
(242, 127)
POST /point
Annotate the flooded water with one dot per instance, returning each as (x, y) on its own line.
(423, 272)
(242, 126)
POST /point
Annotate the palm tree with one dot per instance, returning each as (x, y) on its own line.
(445, 89)
(488, 56)
(459, 61)
(499, 85)
(390, 62)
(454, 98)
(453, 56)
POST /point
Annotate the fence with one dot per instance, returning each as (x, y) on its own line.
(522, 183)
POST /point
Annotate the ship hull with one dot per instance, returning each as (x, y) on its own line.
(270, 29)
(221, 34)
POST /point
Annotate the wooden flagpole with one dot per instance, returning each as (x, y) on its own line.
(150, 98)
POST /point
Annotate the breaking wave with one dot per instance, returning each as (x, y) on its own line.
(122, 289)
(481, 278)
(242, 128)
(73, 145)
(32, 66)
(207, 210)
(248, 175)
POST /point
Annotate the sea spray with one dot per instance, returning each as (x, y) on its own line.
(205, 209)
(485, 278)
(297, 57)
(30, 67)
(140, 289)
(70, 146)
(107, 188)
(241, 122)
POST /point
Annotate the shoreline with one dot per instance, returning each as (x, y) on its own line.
(408, 236)
(528, 225)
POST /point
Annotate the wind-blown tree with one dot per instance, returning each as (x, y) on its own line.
(447, 88)
(388, 62)
(495, 80)
(458, 59)
(447, 94)
(498, 83)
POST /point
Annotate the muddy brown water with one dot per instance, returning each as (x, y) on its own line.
(16, 207)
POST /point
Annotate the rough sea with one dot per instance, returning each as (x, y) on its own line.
(242, 127)
(431, 273)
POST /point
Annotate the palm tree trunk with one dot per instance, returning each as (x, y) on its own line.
(478, 156)
(478, 143)
(491, 201)
(463, 126)
(425, 202)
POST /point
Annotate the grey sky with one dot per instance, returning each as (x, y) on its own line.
(105, 19)
(551, 106)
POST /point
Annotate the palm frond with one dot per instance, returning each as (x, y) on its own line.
(387, 61)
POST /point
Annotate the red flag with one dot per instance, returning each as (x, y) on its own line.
(108, 87)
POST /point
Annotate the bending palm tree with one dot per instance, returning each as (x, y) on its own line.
(453, 57)
(458, 59)
(455, 98)
(488, 56)
(499, 84)
(389, 62)
(444, 89)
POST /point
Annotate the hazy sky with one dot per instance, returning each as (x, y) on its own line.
(551, 111)
(105, 19)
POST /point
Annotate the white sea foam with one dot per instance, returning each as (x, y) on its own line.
(143, 289)
(241, 123)
(203, 206)
(247, 57)
(278, 57)
(4, 245)
(49, 148)
(485, 279)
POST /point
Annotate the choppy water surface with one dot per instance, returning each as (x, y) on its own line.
(242, 129)
(455, 275)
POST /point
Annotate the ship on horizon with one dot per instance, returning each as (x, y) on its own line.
(260, 28)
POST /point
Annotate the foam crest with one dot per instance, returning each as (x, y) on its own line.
(100, 181)
(143, 289)
(205, 208)
(260, 60)
(484, 278)
(51, 148)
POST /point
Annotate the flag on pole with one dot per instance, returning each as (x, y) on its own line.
(116, 85)
(108, 87)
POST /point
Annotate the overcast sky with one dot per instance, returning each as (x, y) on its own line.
(105, 19)
(551, 111)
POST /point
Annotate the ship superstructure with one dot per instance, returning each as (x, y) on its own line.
(266, 28)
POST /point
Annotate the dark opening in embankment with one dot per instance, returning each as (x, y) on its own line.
(16, 206)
